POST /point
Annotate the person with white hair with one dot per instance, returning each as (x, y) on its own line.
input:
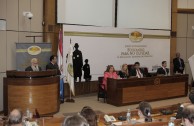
(15, 118)
(34, 65)
(76, 120)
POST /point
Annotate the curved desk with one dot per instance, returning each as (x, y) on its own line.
(134, 90)
(31, 90)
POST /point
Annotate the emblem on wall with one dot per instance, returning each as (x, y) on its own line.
(136, 36)
(34, 50)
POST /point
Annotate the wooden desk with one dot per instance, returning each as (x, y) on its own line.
(32, 90)
(128, 91)
(164, 119)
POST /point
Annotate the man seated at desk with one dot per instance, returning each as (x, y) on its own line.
(137, 71)
(163, 70)
(34, 65)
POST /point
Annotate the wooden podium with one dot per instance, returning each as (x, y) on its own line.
(31, 90)
(134, 90)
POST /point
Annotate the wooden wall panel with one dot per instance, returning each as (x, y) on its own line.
(51, 28)
(12, 38)
(3, 57)
(12, 14)
(174, 22)
(24, 22)
(2, 9)
(36, 21)
(174, 6)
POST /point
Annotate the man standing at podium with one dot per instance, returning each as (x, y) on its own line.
(178, 64)
(54, 66)
(34, 65)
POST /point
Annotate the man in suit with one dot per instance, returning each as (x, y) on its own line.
(53, 64)
(137, 71)
(179, 64)
(163, 70)
(34, 65)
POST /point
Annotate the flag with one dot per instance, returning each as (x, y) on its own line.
(191, 63)
(70, 75)
(60, 64)
(60, 52)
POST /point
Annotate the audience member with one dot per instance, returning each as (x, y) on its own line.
(144, 112)
(89, 114)
(188, 115)
(179, 64)
(109, 73)
(163, 70)
(15, 118)
(137, 71)
(124, 73)
(34, 65)
(180, 109)
(76, 120)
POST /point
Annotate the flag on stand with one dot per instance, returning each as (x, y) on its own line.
(191, 63)
(70, 75)
(60, 64)
(60, 52)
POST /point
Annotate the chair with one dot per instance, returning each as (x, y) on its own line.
(101, 91)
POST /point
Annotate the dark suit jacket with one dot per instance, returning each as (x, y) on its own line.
(123, 75)
(177, 65)
(133, 72)
(50, 66)
(161, 71)
(29, 68)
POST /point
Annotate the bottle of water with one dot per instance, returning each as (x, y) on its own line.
(27, 113)
(128, 116)
(171, 122)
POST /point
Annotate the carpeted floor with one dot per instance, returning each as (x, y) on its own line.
(91, 100)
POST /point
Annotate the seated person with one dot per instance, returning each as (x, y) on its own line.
(89, 114)
(188, 115)
(180, 109)
(137, 71)
(124, 73)
(163, 70)
(15, 118)
(76, 120)
(144, 112)
(109, 73)
(34, 65)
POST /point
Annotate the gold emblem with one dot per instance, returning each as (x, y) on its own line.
(156, 81)
(136, 36)
(34, 50)
(70, 69)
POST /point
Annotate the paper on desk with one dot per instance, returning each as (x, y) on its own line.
(118, 123)
(191, 63)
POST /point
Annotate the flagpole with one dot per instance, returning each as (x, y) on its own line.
(70, 97)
